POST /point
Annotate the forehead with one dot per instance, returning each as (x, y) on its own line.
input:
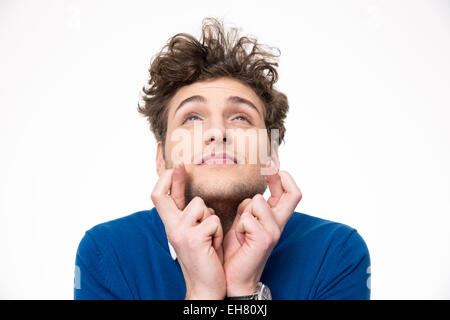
(216, 90)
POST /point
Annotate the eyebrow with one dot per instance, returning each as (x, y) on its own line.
(230, 99)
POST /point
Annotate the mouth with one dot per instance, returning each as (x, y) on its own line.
(218, 159)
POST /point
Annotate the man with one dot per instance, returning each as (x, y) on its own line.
(212, 235)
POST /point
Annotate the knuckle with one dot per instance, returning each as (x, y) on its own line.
(276, 234)
(213, 219)
(154, 196)
(257, 196)
(298, 195)
(175, 238)
(197, 200)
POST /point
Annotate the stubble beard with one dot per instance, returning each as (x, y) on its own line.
(225, 196)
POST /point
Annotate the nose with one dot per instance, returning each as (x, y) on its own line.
(216, 133)
(213, 138)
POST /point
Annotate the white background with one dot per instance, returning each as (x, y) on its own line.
(368, 138)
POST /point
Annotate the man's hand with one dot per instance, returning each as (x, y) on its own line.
(195, 233)
(256, 230)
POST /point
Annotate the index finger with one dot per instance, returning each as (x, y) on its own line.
(275, 187)
(163, 202)
(178, 185)
(290, 198)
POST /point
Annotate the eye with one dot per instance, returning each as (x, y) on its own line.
(242, 118)
(190, 117)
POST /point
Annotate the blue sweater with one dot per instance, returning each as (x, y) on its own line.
(129, 258)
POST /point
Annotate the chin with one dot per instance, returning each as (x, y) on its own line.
(224, 182)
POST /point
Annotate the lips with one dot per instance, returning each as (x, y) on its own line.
(218, 159)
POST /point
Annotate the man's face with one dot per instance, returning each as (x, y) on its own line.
(220, 135)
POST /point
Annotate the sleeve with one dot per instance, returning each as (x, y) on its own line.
(348, 277)
(93, 279)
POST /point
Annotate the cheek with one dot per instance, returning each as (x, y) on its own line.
(179, 146)
(251, 146)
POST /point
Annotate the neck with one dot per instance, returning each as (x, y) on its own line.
(226, 211)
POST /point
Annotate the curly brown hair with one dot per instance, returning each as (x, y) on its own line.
(185, 60)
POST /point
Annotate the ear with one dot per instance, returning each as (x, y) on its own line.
(160, 162)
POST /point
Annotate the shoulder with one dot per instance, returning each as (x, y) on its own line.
(130, 221)
(110, 253)
(318, 233)
(302, 224)
(138, 227)
(333, 253)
